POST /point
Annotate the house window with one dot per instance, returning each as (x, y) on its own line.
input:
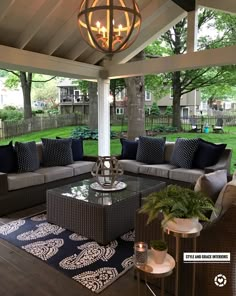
(119, 111)
(147, 96)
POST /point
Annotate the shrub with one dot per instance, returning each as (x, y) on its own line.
(86, 133)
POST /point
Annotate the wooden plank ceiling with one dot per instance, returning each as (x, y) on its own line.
(47, 30)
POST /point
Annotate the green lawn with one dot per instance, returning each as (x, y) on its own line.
(90, 146)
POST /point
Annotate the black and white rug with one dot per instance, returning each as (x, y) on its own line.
(82, 259)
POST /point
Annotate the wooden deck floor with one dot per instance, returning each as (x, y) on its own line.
(22, 274)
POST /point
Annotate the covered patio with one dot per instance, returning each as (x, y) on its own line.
(43, 37)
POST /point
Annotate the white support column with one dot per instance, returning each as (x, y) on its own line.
(103, 117)
(192, 31)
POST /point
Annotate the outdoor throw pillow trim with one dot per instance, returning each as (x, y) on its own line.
(57, 152)
(129, 149)
(151, 150)
(27, 156)
(183, 152)
(207, 154)
(77, 148)
(8, 159)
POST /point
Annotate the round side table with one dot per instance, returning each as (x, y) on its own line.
(151, 269)
(193, 234)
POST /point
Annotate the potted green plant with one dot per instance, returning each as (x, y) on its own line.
(159, 250)
(181, 207)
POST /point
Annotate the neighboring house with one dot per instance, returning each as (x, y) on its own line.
(189, 103)
(71, 99)
(10, 97)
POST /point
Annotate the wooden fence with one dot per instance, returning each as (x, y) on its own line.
(10, 129)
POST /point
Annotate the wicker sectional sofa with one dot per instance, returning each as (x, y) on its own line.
(23, 190)
(173, 174)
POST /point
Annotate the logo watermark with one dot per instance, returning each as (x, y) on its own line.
(220, 280)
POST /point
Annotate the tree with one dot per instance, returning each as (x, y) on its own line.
(173, 42)
(47, 93)
(136, 98)
(155, 111)
(116, 86)
(26, 80)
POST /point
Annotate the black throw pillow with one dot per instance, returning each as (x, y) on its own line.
(151, 150)
(207, 154)
(57, 152)
(183, 152)
(77, 148)
(27, 156)
(8, 160)
(129, 149)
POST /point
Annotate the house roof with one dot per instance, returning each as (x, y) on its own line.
(42, 36)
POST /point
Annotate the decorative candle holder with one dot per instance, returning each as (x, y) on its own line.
(140, 253)
(106, 170)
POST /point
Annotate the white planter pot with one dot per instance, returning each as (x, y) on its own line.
(182, 224)
(158, 256)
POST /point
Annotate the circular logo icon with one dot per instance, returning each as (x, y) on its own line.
(220, 280)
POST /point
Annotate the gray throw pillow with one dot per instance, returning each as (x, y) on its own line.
(151, 150)
(183, 152)
(57, 152)
(27, 156)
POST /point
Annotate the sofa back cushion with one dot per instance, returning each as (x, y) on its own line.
(57, 152)
(151, 150)
(27, 156)
(211, 184)
(169, 148)
(8, 160)
(183, 152)
(207, 154)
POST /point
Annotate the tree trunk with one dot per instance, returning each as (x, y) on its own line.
(93, 105)
(26, 82)
(136, 99)
(176, 84)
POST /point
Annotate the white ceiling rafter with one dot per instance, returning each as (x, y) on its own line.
(226, 5)
(5, 6)
(191, 60)
(61, 35)
(77, 50)
(41, 16)
(23, 60)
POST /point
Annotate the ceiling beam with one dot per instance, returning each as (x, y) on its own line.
(192, 60)
(228, 6)
(23, 60)
(188, 5)
(39, 19)
(158, 17)
(5, 6)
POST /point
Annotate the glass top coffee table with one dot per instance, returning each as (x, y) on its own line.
(101, 216)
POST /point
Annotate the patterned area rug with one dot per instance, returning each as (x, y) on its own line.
(82, 259)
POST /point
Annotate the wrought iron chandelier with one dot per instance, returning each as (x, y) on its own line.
(109, 26)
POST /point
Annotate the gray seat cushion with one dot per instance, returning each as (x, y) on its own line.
(55, 173)
(130, 165)
(81, 167)
(159, 170)
(185, 175)
(22, 180)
